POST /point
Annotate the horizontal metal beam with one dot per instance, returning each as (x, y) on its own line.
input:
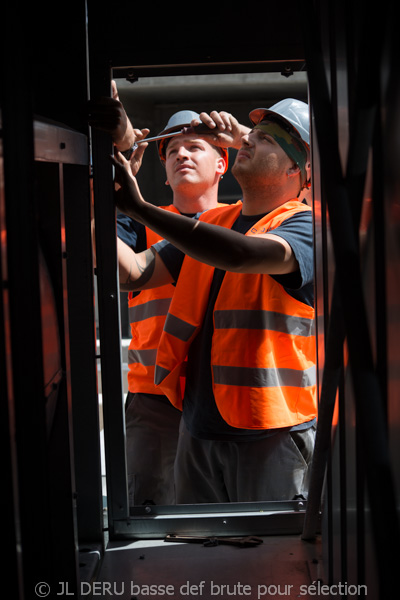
(264, 518)
(59, 144)
(286, 67)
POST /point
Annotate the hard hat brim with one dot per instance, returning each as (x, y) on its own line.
(292, 113)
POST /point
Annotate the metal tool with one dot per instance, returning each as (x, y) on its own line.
(202, 128)
(157, 137)
(242, 542)
(161, 137)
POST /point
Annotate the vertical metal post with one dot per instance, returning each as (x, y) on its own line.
(25, 391)
(11, 502)
(109, 317)
(81, 310)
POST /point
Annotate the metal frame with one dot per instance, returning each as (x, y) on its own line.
(62, 173)
(109, 324)
(41, 413)
(70, 451)
(152, 521)
(158, 521)
(251, 518)
(358, 443)
(105, 57)
(149, 521)
(66, 151)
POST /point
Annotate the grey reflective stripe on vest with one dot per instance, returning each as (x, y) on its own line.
(178, 328)
(263, 319)
(264, 378)
(146, 358)
(154, 308)
(160, 373)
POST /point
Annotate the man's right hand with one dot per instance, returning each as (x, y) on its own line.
(220, 127)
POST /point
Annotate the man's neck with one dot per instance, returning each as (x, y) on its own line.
(256, 203)
(195, 204)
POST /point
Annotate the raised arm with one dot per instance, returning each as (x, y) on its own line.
(211, 244)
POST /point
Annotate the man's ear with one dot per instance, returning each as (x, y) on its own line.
(167, 182)
(293, 171)
(308, 171)
(221, 166)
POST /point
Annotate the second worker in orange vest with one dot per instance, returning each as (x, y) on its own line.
(193, 168)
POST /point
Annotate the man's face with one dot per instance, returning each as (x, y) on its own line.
(261, 158)
(192, 161)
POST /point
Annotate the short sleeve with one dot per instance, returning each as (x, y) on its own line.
(171, 257)
(298, 232)
(132, 233)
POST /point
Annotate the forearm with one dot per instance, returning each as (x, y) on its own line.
(218, 246)
(140, 271)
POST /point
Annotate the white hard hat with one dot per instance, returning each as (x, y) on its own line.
(294, 112)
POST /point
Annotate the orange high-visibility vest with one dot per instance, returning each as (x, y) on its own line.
(263, 344)
(147, 313)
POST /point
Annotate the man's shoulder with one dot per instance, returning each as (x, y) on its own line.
(170, 208)
(214, 214)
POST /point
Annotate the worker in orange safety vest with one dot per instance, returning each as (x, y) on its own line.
(193, 168)
(241, 321)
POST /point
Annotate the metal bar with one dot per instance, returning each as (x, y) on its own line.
(157, 511)
(109, 319)
(277, 64)
(49, 196)
(278, 522)
(22, 257)
(85, 406)
(234, 518)
(12, 528)
(330, 381)
(57, 143)
(368, 400)
(61, 448)
(200, 129)
(160, 137)
(336, 334)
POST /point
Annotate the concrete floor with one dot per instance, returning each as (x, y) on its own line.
(281, 567)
